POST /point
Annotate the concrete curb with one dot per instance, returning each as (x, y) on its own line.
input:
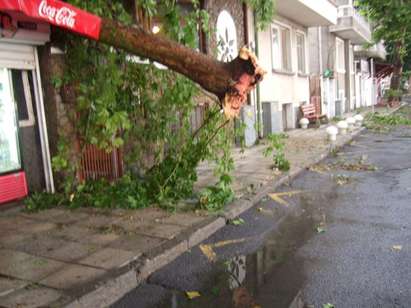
(111, 290)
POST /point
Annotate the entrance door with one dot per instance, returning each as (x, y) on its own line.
(24, 95)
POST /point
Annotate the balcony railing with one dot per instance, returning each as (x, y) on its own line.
(375, 51)
(350, 11)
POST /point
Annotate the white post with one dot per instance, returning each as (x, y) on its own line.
(373, 85)
(45, 150)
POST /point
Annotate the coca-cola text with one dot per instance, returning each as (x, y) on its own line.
(63, 16)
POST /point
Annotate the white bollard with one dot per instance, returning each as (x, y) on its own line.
(332, 132)
(342, 127)
(304, 123)
(351, 123)
(358, 120)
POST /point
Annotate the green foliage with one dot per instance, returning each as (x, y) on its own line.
(42, 201)
(391, 19)
(383, 123)
(128, 192)
(392, 24)
(264, 11)
(393, 94)
(275, 149)
(214, 198)
(237, 221)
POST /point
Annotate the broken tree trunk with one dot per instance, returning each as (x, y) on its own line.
(230, 82)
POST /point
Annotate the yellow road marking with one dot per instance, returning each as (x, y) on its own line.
(277, 196)
(208, 251)
(229, 242)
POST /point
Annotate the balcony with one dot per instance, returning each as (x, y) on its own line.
(309, 13)
(352, 26)
(376, 51)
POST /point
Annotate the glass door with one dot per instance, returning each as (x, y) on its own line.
(9, 144)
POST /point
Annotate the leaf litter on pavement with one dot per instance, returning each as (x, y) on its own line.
(237, 222)
(192, 294)
(360, 164)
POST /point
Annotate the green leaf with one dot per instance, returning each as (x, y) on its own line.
(237, 221)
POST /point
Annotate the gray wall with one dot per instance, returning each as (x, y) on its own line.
(327, 49)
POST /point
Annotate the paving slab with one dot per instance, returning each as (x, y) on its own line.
(9, 285)
(160, 230)
(11, 238)
(109, 258)
(41, 244)
(71, 276)
(183, 219)
(100, 239)
(72, 232)
(136, 243)
(27, 267)
(44, 215)
(34, 296)
(96, 221)
(16, 223)
(72, 251)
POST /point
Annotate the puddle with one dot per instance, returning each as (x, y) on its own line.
(257, 279)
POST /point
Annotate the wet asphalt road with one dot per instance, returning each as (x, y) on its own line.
(343, 237)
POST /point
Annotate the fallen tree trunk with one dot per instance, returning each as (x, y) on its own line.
(230, 82)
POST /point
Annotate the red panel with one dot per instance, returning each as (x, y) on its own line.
(58, 13)
(13, 186)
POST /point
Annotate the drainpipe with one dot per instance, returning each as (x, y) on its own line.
(259, 112)
(320, 54)
(372, 85)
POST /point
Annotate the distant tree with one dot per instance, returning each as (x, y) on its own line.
(392, 24)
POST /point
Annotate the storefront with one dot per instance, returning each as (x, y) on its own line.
(25, 163)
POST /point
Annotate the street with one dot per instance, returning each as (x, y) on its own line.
(339, 236)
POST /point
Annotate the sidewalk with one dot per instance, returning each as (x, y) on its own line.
(91, 258)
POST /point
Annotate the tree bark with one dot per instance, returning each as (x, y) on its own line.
(396, 76)
(397, 69)
(231, 82)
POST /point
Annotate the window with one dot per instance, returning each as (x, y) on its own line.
(301, 52)
(340, 56)
(23, 91)
(281, 48)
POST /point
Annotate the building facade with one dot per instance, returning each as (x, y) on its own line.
(283, 50)
(345, 68)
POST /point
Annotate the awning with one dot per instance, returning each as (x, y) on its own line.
(58, 13)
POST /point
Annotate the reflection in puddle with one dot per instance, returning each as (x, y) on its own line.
(263, 278)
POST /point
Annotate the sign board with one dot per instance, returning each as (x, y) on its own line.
(58, 13)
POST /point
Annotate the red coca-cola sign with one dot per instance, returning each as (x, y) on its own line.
(58, 13)
(63, 16)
